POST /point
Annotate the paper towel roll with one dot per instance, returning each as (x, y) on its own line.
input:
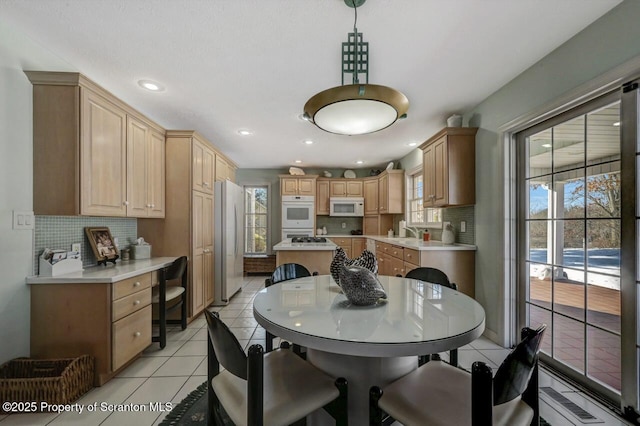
(403, 228)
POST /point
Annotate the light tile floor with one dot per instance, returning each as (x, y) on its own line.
(169, 375)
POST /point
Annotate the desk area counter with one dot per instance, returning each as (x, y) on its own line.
(106, 274)
(103, 311)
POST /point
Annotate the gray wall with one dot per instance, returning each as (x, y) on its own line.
(608, 42)
(16, 183)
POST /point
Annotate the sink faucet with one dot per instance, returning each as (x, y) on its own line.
(413, 230)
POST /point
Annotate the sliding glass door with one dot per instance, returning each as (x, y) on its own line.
(571, 177)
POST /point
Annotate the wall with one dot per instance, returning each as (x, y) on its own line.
(605, 44)
(16, 182)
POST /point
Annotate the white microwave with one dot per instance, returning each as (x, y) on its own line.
(346, 206)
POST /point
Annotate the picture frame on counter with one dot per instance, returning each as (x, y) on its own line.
(102, 244)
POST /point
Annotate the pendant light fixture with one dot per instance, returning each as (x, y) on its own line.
(357, 108)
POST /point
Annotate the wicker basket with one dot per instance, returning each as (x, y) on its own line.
(56, 381)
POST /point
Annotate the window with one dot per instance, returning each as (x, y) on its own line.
(256, 219)
(417, 215)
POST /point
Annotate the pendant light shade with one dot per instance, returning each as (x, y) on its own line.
(356, 109)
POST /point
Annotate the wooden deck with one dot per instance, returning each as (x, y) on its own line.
(603, 309)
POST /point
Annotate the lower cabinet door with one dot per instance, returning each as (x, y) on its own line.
(131, 335)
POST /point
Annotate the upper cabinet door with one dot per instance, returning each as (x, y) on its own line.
(156, 175)
(354, 188)
(371, 197)
(322, 197)
(306, 186)
(103, 147)
(203, 167)
(289, 186)
(338, 189)
(137, 163)
(222, 169)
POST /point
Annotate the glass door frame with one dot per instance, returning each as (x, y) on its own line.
(629, 390)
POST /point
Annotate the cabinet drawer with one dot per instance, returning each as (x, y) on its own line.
(131, 335)
(131, 285)
(397, 252)
(131, 303)
(383, 248)
(345, 243)
(411, 256)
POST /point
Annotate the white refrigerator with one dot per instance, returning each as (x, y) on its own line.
(228, 240)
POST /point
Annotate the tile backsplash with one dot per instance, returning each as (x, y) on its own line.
(334, 224)
(59, 232)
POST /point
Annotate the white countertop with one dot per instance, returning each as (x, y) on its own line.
(287, 245)
(106, 274)
(412, 243)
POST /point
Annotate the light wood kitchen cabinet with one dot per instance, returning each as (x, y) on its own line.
(391, 192)
(298, 185)
(370, 196)
(145, 170)
(449, 167)
(377, 225)
(187, 229)
(346, 188)
(202, 251)
(225, 170)
(345, 243)
(109, 321)
(358, 245)
(203, 165)
(322, 197)
(81, 143)
(103, 148)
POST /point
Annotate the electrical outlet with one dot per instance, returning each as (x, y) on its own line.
(344, 225)
(77, 247)
(463, 226)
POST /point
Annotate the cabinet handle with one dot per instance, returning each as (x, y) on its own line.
(205, 183)
(148, 206)
(137, 302)
(136, 334)
(136, 284)
(408, 255)
(153, 205)
(126, 203)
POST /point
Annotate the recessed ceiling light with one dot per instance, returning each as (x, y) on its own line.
(546, 145)
(245, 132)
(617, 123)
(359, 162)
(150, 85)
(298, 161)
(412, 143)
(308, 142)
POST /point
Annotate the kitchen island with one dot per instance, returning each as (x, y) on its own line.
(316, 256)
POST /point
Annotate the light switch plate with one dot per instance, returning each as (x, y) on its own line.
(23, 219)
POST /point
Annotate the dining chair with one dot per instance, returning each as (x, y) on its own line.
(285, 272)
(272, 388)
(440, 394)
(164, 295)
(436, 276)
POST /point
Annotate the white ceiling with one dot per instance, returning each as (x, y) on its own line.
(252, 64)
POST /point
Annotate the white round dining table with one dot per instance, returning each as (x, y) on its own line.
(368, 345)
